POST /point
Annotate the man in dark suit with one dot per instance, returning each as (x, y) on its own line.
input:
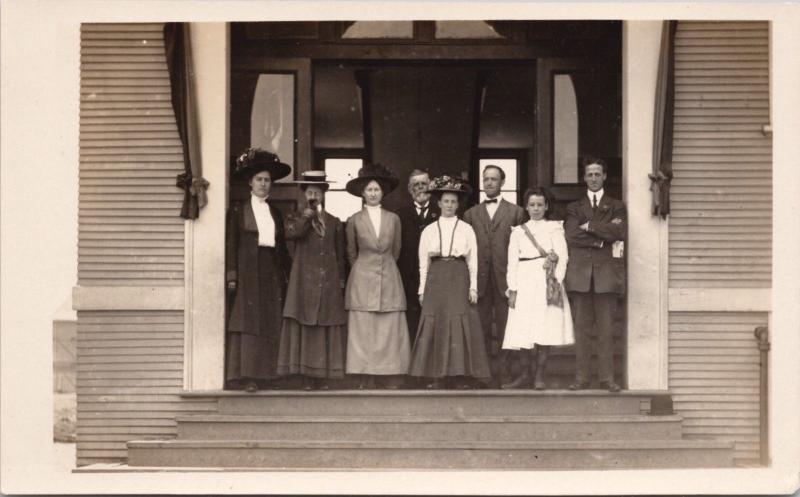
(413, 219)
(492, 221)
(596, 228)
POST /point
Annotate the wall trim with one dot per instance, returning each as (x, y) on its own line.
(720, 299)
(128, 298)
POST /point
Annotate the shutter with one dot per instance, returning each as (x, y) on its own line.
(130, 232)
(720, 227)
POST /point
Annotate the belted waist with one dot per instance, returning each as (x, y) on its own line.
(522, 259)
(264, 247)
(448, 258)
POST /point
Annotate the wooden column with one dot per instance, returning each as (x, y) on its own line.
(205, 237)
(647, 235)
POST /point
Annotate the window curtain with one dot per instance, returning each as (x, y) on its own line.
(661, 176)
(184, 103)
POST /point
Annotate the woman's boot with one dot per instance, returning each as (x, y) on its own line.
(524, 378)
(542, 354)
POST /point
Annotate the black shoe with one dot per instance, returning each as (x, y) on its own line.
(251, 387)
(611, 386)
(578, 385)
(519, 382)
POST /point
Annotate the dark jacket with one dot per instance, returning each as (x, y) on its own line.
(315, 294)
(590, 252)
(241, 263)
(492, 236)
(411, 227)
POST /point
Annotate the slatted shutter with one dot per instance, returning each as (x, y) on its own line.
(720, 228)
(130, 361)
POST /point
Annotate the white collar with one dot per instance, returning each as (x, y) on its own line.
(591, 194)
(255, 198)
(373, 207)
(422, 206)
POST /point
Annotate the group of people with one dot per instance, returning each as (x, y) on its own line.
(431, 299)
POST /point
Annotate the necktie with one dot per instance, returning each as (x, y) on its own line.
(421, 214)
(490, 201)
(318, 223)
(594, 201)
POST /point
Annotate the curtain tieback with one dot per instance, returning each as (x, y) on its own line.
(194, 186)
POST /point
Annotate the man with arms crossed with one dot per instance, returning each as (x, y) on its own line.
(596, 228)
(492, 221)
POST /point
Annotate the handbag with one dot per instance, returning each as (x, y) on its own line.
(555, 295)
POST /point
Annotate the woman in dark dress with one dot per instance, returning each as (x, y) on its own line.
(314, 333)
(256, 263)
(449, 344)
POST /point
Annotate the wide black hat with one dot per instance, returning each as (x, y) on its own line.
(449, 184)
(314, 177)
(255, 160)
(369, 172)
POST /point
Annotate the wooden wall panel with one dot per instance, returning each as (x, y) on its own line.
(130, 233)
(720, 228)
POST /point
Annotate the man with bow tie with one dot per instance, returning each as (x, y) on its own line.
(413, 219)
(492, 221)
(596, 228)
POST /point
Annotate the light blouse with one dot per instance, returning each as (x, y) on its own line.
(374, 212)
(549, 235)
(463, 245)
(264, 221)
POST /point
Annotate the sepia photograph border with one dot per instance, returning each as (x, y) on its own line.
(39, 130)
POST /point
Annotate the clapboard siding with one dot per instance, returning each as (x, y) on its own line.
(720, 227)
(130, 233)
(129, 379)
(721, 399)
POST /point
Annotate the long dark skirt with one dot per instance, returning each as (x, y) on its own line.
(254, 354)
(312, 350)
(449, 338)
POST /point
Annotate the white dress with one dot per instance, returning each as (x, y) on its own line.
(532, 321)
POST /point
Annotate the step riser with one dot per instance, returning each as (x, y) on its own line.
(455, 431)
(428, 405)
(430, 458)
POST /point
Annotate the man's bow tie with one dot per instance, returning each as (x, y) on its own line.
(490, 201)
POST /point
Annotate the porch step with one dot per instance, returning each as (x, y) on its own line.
(312, 454)
(429, 428)
(428, 403)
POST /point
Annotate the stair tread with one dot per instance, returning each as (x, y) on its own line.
(425, 444)
(423, 393)
(566, 418)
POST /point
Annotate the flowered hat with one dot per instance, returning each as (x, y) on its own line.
(449, 184)
(314, 177)
(369, 172)
(255, 160)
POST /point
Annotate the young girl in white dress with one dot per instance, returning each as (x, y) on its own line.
(539, 315)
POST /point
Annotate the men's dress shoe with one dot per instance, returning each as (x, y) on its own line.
(518, 382)
(611, 386)
(578, 385)
(251, 387)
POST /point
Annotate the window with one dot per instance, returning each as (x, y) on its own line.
(379, 29)
(337, 201)
(466, 30)
(565, 130)
(510, 189)
(272, 116)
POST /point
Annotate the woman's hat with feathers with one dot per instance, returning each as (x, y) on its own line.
(254, 160)
(372, 172)
(449, 184)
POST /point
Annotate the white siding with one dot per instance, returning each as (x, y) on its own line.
(720, 227)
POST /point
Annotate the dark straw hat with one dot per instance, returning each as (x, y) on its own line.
(255, 160)
(449, 184)
(369, 172)
(314, 177)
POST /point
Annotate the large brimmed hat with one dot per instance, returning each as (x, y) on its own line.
(369, 172)
(313, 177)
(449, 184)
(255, 160)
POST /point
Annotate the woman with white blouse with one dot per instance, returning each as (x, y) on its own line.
(449, 343)
(377, 331)
(539, 315)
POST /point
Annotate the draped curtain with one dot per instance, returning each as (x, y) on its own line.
(178, 50)
(661, 176)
